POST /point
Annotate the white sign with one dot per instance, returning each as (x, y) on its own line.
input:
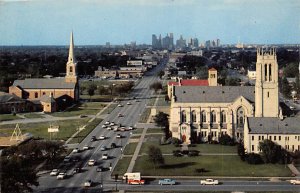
(52, 129)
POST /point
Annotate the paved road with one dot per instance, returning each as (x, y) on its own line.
(131, 114)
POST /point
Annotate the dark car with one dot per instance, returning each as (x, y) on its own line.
(113, 145)
(100, 169)
(93, 138)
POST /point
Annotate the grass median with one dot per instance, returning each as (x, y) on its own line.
(130, 148)
(121, 166)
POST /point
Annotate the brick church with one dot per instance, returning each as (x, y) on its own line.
(50, 94)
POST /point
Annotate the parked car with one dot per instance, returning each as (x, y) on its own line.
(103, 148)
(61, 175)
(88, 183)
(54, 172)
(91, 162)
(209, 182)
(166, 182)
(105, 156)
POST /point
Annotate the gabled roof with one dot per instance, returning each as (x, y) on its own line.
(213, 94)
(273, 125)
(44, 83)
(191, 82)
(6, 97)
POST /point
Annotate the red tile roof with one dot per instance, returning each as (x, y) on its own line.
(191, 82)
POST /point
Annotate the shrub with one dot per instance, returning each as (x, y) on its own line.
(193, 153)
(254, 158)
(226, 140)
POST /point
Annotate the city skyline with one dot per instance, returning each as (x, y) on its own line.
(95, 22)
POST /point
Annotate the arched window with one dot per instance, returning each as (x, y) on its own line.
(213, 117)
(194, 117)
(71, 69)
(36, 95)
(240, 117)
(270, 72)
(203, 116)
(183, 116)
(223, 117)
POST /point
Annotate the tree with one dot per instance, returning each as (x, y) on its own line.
(162, 120)
(232, 81)
(285, 88)
(82, 89)
(156, 86)
(18, 175)
(161, 73)
(155, 155)
(91, 90)
(254, 158)
(241, 151)
(226, 140)
(271, 152)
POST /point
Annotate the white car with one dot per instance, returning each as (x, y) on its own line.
(104, 156)
(91, 162)
(209, 182)
(61, 175)
(76, 150)
(86, 147)
(103, 148)
(103, 126)
(130, 128)
(120, 105)
(119, 136)
(112, 124)
(102, 137)
(129, 103)
(88, 183)
(54, 172)
(108, 128)
(107, 123)
(295, 182)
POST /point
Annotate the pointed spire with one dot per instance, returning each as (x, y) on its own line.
(71, 58)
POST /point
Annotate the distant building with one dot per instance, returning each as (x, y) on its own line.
(135, 63)
(251, 74)
(10, 103)
(63, 90)
(131, 72)
(105, 73)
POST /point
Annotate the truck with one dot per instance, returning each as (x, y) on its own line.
(133, 178)
(295, 182)
(209, 182)
(166, 182)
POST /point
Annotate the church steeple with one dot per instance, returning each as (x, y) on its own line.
(71, 50)
(71, 67)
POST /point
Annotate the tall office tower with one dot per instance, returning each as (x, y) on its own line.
(181, 43)
(165, 42)
(218, 43)
(154, 41)
(159, 44)
(214, 43)
(208, 44)
(195, 43)
(171, 45)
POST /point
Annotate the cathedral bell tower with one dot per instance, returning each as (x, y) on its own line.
(266, 85)
(71, 72)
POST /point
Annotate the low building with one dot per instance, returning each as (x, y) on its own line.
(106, 73)
(131, 72)
(251, 74)
(135, 63)
(10, 103)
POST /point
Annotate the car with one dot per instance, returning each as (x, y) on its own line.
(88, 183)
(166, 182)
(102, 137)
(119, 136)
(130, 128)
(54, 172)
(67, 159)
(295, 182)
(112, 124)
(99, 169)
(86, 147)
(129, 103)
(105, 156)
(113, 145)
(122, 129)
(120, 115)
(76, 150)
(108, 128)
(103, 148)
(76, 170)
(93, 138)
(103, 126)
(209, 182)
(137, 100)
(61, 175)
(107, 123)
(82, 116)
(120, 105)
(91, 162)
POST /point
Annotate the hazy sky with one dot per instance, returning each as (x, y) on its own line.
(94, 22)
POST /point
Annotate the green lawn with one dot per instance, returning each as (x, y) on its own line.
(8, 117)
(121, 166)
(104, 98)
(130, 148)
(109, 109)
(82, 134)
(154, 130)
(217, 165)
(138, 131)
(66, 128)
(144, 117)
(76, 111)
(93, 105)
(32, 115)
(151, 101)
